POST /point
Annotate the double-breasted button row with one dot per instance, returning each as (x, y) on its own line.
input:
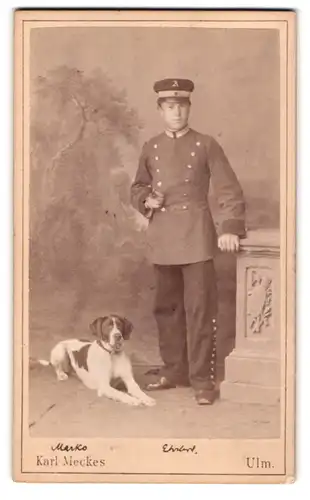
(189, 166)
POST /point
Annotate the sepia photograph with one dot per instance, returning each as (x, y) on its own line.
(154, 246)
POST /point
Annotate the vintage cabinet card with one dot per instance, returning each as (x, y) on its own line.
(154, 246)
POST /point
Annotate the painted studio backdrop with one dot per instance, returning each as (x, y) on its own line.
(92, 108)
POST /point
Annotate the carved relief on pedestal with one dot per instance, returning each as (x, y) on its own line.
(259, 301)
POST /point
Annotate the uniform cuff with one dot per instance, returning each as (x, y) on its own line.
(234, 226)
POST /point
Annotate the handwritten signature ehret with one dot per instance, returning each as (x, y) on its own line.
(170, 448)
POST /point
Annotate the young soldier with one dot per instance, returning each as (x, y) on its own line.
(171, 190)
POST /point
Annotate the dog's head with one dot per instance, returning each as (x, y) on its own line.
(113, 330)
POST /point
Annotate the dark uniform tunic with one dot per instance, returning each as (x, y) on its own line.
(183, 231)
(182, 243)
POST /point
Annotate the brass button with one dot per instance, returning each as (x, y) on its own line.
(197, 143)
(159, 183)
(156, 158)
(155, 146)
(193, 153)
(189, 166)
(157, 170)
(163, 209)
(186, 180)
(184, 207)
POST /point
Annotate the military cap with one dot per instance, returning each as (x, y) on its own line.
(173, 87)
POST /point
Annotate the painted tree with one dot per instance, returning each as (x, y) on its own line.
(81, 221)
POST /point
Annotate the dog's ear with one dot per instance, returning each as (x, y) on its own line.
(96, 327)
(127, 327)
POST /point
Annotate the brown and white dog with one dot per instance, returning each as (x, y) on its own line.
(97, 363)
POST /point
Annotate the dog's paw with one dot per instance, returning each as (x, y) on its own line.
(62, 376)
(148, 401)
(134, 402)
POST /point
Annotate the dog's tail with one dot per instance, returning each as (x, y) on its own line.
(42, 362)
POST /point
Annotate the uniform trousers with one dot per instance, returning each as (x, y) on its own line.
(185, 311)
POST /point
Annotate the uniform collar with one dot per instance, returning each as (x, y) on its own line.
(176, 135)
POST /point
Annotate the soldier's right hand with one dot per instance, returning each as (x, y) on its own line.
(155, 201)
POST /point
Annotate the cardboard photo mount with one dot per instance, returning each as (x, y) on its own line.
(37, 459)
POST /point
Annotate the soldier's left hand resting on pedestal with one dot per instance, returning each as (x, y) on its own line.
(228, 242)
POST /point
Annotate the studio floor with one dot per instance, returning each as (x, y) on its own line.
(68, 409)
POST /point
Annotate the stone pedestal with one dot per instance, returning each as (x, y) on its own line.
(252, 370)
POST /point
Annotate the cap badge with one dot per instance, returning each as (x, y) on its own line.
(175, 83)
